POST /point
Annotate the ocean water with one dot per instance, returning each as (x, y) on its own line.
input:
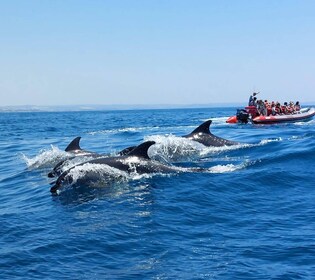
(249, 215)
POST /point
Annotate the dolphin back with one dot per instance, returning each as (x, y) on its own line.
(126, 151)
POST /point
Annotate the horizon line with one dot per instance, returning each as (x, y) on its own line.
(94, 107)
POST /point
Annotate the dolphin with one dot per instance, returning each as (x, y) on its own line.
(136, 160)
(203, 136)
(77, 152)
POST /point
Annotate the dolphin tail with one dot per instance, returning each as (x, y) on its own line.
(142, 150)
(74, 145)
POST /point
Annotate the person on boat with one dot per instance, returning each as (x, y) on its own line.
(278, 109)
(284, 108)
(273, 109)
(268, 107)
(252, 99)
(253, 102)
(261, 108)
(291, 108)
(297, 106)
(288, 108)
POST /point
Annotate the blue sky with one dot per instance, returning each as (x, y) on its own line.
(71, 52)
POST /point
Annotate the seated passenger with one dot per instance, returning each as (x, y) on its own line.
(261, 109)
(267, 104)
(284, 108)
(291, 108)
(278, 108)
(268, 107)
(297, 106)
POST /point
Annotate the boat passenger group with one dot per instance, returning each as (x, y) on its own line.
(267, 108)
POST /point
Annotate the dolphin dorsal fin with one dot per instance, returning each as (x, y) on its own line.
(203, 128)
(74, 145)
(142, 150)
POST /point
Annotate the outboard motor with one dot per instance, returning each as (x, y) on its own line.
(242, 116)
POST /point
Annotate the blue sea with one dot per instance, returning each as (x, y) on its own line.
(249, 215)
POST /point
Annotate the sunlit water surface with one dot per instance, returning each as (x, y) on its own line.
(249, 215)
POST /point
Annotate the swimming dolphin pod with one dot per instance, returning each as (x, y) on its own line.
(131, 159)
(201, 135)
(136, 161)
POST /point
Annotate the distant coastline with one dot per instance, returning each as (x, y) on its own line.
(93, 107)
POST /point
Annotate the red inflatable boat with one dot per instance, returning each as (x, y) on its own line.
(249, 114)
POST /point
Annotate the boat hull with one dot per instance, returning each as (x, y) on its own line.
(302, 116)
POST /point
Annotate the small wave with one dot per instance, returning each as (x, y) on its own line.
(305, 123)
(217, 150)
(217, 120)
(267, 141)
(45, 158)
(280, 139)
(122, 130)
(230, 167)
(302, 137)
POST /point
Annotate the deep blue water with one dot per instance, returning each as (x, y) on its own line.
(251, 216)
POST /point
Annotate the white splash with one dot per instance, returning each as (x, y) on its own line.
(45, 158)
(97, 174)
(102, 175)
(171, 148)
(120, 130)
(267, 141)
(217, 150)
